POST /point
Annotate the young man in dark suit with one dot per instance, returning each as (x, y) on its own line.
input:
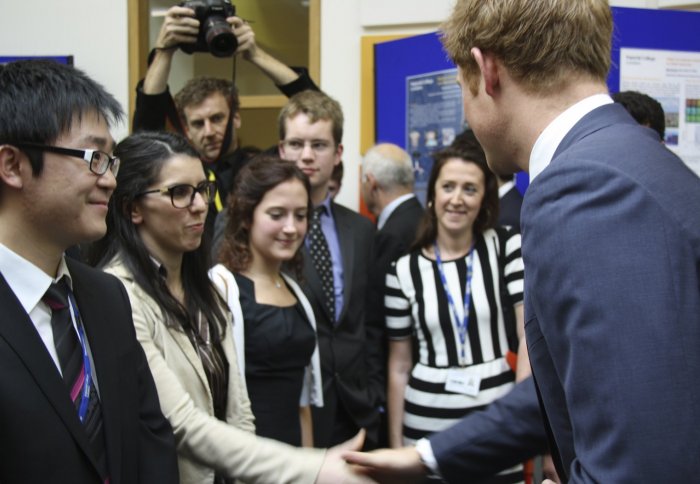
(77, 400)
(611, 239)
(339, 250)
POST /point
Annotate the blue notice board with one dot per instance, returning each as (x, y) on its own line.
(63, 59)
(397, 60)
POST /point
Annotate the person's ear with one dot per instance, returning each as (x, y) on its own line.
(135, 213)
(488, 68)
(338, 153)
(11, 166)
(237, 121)
(280, 149)
(372, 181)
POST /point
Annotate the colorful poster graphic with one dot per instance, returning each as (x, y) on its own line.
(673, 79)
(434, 117)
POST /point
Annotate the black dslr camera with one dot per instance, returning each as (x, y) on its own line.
(215, 33)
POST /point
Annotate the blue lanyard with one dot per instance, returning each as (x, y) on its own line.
(462, 323)
(85, 397)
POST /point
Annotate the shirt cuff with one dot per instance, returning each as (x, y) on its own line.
(425, 451)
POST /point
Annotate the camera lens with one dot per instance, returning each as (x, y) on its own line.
(220, 39)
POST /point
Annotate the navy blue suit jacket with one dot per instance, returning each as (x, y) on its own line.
(505, 433)
(611, 245)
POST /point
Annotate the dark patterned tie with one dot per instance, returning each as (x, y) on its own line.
(321, 257)
(70, 357)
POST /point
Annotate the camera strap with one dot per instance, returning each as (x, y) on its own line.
(228, 136)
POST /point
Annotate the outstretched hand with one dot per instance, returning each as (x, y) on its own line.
(335, 470)
(390, 466)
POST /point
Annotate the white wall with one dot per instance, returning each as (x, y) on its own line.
(94, 32)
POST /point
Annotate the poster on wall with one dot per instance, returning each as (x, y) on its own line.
(673, 79)
(433, 118)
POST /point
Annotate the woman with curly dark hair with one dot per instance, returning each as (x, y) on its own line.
(268, 218)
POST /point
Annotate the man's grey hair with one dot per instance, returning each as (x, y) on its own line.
(390, 165)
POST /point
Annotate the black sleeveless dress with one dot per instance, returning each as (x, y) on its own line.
(279, 342)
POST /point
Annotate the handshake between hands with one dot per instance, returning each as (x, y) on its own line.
(345, 464)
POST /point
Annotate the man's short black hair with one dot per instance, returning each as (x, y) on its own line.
(646, 110)
(40, 99)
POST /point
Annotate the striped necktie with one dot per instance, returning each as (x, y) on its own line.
(70, 357)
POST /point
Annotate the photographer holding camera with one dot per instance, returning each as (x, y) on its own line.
(206, 110)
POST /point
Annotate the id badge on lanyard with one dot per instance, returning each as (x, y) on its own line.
(462, 380)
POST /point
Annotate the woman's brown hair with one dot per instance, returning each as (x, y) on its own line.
(254, 180)
(467, 148)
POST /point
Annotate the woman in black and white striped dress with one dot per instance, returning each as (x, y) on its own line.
(460, 265)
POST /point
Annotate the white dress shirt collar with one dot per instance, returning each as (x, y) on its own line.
(548, 142)
(505, 188)
(27, 281)
(389, 209)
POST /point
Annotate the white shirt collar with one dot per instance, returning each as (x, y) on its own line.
(505, 188)
(389, 209)
(548, 142)
(27, 281)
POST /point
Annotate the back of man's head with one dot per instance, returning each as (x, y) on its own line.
(541, 43)
(41, 99)
(390, 166)
(317, 106)
(646, 110)
(196, 90)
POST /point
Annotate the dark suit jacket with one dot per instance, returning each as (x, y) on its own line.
(390, 242)
(611, 243)
(398, 233)
(509, 207)
(41, 437)
(350, 351)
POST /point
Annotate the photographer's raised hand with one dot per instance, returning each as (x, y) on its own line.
(245, 37)
(179, 26)
(273, 68)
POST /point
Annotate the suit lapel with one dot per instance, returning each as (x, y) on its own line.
(347, 252)
(120, 270)
(17, 329)
(183, 341)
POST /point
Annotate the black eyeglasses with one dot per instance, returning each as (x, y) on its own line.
(182, 196)
(99, 161)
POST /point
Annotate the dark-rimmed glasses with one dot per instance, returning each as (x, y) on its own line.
(98, 161)
(182, 195)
